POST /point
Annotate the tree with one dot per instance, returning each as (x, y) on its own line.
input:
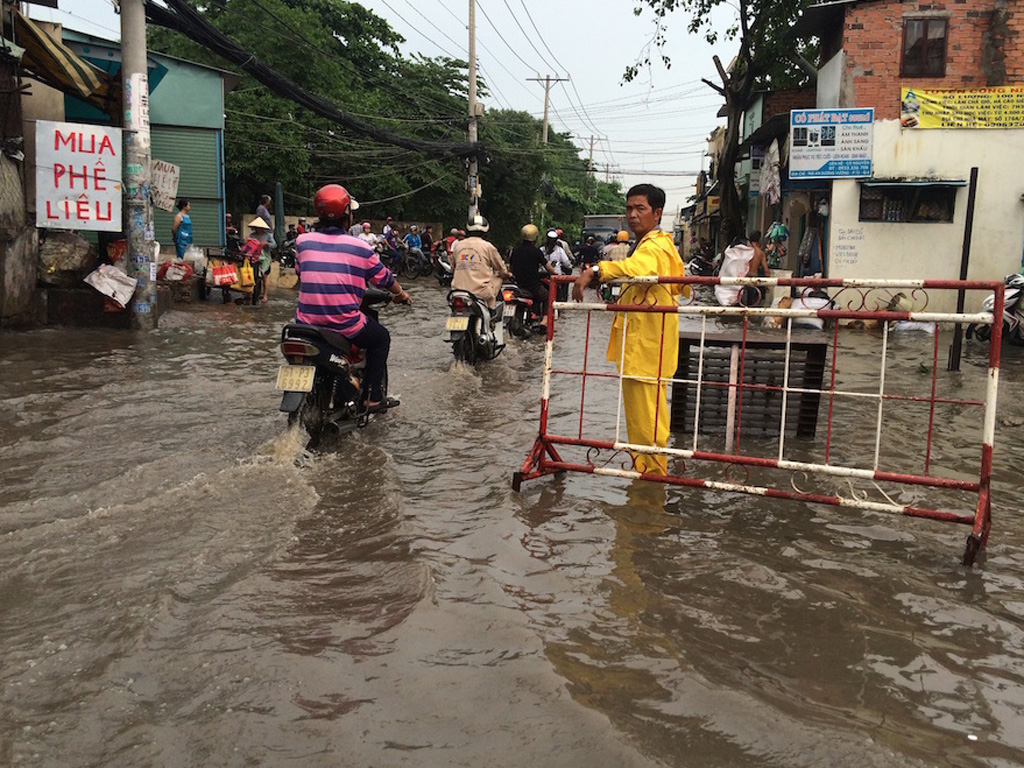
(343, 55)
(766, 56)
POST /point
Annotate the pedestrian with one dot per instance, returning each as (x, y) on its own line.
(252, 252)
(181, 229)
(646, 348)
(758, 264)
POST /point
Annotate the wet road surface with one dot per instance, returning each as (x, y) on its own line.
(182, 584)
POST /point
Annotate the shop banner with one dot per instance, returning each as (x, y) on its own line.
(1000, 107)
(830, 143)
(78, 172)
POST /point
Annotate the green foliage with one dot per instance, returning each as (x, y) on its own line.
(348, 56)
(761, 28)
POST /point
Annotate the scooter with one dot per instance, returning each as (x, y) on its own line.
(518, 316)
(443, 268)
(322, 383)
(702, 266)
(1013, 313)
(475, 332)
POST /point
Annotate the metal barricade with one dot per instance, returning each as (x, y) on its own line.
(824, 455)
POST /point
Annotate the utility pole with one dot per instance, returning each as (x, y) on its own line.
(138, 210)
(591, 181)
(547, 92)
(473, 182)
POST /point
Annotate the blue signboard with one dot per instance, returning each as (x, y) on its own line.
(830, 143)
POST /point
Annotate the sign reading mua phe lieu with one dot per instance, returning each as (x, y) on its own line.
(78, 176)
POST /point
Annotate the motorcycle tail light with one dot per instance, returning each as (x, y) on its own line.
(298, 349)
(355, 354)
(459, 304)
(508, 295)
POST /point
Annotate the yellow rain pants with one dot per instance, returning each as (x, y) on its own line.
(646, 344)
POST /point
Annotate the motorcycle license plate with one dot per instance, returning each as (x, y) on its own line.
(296, 378)
(510, 310)
(457, 323)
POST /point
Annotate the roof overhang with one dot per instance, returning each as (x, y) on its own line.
(821, 16)
(917, 181)
(53, 63)
(775, 127)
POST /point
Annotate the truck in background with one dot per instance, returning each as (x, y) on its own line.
(601, 226)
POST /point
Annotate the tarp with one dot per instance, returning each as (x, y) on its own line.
(53, 63)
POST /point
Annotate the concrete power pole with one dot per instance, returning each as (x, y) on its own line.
(138, 163)
(473, 182)
(547, 93)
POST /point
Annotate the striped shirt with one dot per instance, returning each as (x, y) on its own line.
(335, 268)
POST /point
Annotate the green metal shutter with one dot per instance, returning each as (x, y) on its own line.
(197, 152)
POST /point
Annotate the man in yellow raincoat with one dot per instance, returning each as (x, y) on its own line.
(645, 345)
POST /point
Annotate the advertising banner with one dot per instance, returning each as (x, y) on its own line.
(999, 107)
(78, 172)
(830, 143)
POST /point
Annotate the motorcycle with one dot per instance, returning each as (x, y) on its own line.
(701, 265)
(475, 332)
(286, 253)
(518, 316)
(443, 268)
(1013, 313)
(322, 383)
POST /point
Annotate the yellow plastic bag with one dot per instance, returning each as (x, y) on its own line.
(245, 276)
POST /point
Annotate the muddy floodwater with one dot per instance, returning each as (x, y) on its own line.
(182, 584)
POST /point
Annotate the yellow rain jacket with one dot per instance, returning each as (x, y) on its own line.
(651, 343)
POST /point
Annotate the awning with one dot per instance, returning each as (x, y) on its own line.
(775, 127)
(915, 182)
(53, 63)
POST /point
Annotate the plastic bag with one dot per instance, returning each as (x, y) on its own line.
(194, 256)
(113, 282)
(245, 276)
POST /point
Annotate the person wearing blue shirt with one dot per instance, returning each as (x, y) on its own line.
(181, 228)
(415, 244)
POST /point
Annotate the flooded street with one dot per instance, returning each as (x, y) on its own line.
(182, 584)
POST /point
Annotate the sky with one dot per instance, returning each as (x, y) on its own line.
(653, 129)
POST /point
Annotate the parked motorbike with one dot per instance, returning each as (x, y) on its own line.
(286, 253)
(322, 383)
(1013, 313)
(443, 268)
(475, 332)
(702, 265)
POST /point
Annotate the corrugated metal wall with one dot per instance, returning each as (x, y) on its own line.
(197, 152)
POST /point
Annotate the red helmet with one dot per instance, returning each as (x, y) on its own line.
(332, 201)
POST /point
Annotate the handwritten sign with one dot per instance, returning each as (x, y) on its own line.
(78, 171)
(845, 249)
(165, 184)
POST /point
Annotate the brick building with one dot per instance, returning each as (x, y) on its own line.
(906, 220)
